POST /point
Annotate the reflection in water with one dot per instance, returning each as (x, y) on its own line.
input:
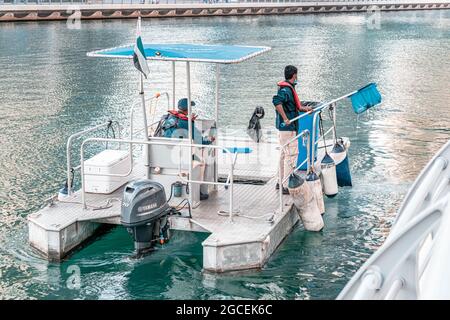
(50, 89)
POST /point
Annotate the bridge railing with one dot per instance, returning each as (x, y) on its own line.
(65, 2)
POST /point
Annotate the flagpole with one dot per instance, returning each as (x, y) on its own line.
(142, 95)
(144, 117)
(190, 129)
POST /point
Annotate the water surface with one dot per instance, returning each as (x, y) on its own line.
(49, 89)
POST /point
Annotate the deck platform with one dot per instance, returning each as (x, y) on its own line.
(260, 165)
(244, 241)
(249, 238)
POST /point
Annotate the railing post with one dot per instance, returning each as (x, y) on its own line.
(308, 143)
(313, 140)
(334, 121)
(231, 189)
(371, 282)
(83, 186)
(280, 184)
(68, 159)
(173, 84)
(131, 133)
(394, 289)
(190, 128)
(216, 119)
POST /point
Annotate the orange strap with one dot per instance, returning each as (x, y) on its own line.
(181, 115)
(298, 104)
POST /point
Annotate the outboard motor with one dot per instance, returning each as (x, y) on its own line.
(254, 126)
(145, 213)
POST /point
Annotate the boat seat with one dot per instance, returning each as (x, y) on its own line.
(169, 157)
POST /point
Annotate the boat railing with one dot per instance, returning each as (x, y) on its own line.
(308, 137)
(229, 182)
(72, 138)
(153, 103)
(154, 99)
(397, 269)
(330, 105)
(332, 129)
(413, 261)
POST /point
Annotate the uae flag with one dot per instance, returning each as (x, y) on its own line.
(139, 58)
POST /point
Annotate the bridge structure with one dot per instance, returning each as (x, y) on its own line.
(36, 10)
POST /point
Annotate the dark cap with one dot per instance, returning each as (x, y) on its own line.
(183, 104)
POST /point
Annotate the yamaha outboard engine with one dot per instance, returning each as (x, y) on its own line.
(145, 213)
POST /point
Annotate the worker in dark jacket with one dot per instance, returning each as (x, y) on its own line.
(175, 124)
(288, 106)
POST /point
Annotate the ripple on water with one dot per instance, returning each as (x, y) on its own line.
(42, 103)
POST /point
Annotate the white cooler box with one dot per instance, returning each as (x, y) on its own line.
(106, 162)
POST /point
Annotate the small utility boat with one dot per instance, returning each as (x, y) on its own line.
(151, 184)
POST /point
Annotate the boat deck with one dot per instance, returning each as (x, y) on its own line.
(261, 164)
(248, 238)
(245, 241)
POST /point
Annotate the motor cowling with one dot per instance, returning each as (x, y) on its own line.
(145, 213)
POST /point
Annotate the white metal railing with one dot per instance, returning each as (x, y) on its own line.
(155, 98)
(70, 140)
(229, 183)
(414, 260)
(310, 154)
(331, 107)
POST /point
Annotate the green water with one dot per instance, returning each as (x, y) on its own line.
(49, 89)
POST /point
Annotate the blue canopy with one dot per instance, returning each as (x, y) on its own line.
(186, 52)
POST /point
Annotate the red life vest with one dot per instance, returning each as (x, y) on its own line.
(181, 115)
(298, 104)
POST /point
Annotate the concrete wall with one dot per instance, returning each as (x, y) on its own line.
(28, 12)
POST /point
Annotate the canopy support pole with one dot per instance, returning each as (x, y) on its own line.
(188, 82)
(217, 92)
(173, 84)
(216, 153)
(144, 119)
